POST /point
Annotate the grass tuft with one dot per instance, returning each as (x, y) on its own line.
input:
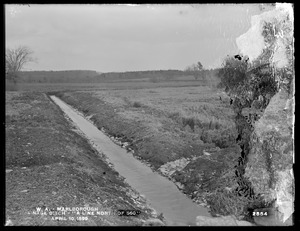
(137, 104)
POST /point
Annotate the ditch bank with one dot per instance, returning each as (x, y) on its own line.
(160, 192)
(49, 166)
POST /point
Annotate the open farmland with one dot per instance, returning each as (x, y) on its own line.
(185, 133)
(183, 117)
(164, 123)
(104, 85)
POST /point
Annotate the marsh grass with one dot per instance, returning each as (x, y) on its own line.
(227, 203)
(201, 112)
(202, 120)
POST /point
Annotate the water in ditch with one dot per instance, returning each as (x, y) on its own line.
(161, 193)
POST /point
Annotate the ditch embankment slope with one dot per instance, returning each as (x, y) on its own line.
(49, 165)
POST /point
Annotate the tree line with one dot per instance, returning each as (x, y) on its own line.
(17, 58)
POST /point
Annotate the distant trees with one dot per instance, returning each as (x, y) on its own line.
(15, 59)
(75, 76)
(194, 67)
(199, 66)
(196, 70)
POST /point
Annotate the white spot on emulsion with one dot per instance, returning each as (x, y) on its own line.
(13, 10)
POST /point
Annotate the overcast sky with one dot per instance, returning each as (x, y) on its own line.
(127, 38)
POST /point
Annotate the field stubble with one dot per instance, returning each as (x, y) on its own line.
(48, 165)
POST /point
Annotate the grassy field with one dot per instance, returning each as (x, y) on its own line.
(176, 117)
(107, 85)
(164, 122)
(49, 165)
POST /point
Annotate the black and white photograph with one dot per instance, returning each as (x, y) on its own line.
(149, 114)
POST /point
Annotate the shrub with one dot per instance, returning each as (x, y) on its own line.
(227, 203)
(137, 104)
(188, 121)
(222, 138)
(217, 125)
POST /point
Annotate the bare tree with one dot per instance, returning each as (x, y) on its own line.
(15, 59)
(199, 66)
